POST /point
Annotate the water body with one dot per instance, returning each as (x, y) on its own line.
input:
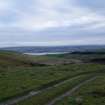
(46, 53)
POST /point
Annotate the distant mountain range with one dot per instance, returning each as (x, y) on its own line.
(45, 49)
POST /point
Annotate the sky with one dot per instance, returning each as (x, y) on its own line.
(52, 22)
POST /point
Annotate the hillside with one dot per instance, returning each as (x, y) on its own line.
(9, 58)
(41, 80)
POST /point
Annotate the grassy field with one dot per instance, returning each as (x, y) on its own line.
(20, 74)
(92, 93)
(19, 80)
(50, 94)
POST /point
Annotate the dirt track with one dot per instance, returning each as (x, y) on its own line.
(69, 93)
(30, 94)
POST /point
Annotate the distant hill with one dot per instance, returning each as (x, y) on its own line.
(43, 49)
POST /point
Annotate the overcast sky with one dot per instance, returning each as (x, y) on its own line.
(51, 22)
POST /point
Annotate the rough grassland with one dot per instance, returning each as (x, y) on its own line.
(20, 74)
(14, 81)
(92, 93)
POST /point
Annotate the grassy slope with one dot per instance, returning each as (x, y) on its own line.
(18, 80)
(92, 93)
(50, 94)
(13, 59)
(17, 75)
(8, 59)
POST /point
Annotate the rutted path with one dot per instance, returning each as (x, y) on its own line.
(30, 94)
(33, 93)
(69, 93)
